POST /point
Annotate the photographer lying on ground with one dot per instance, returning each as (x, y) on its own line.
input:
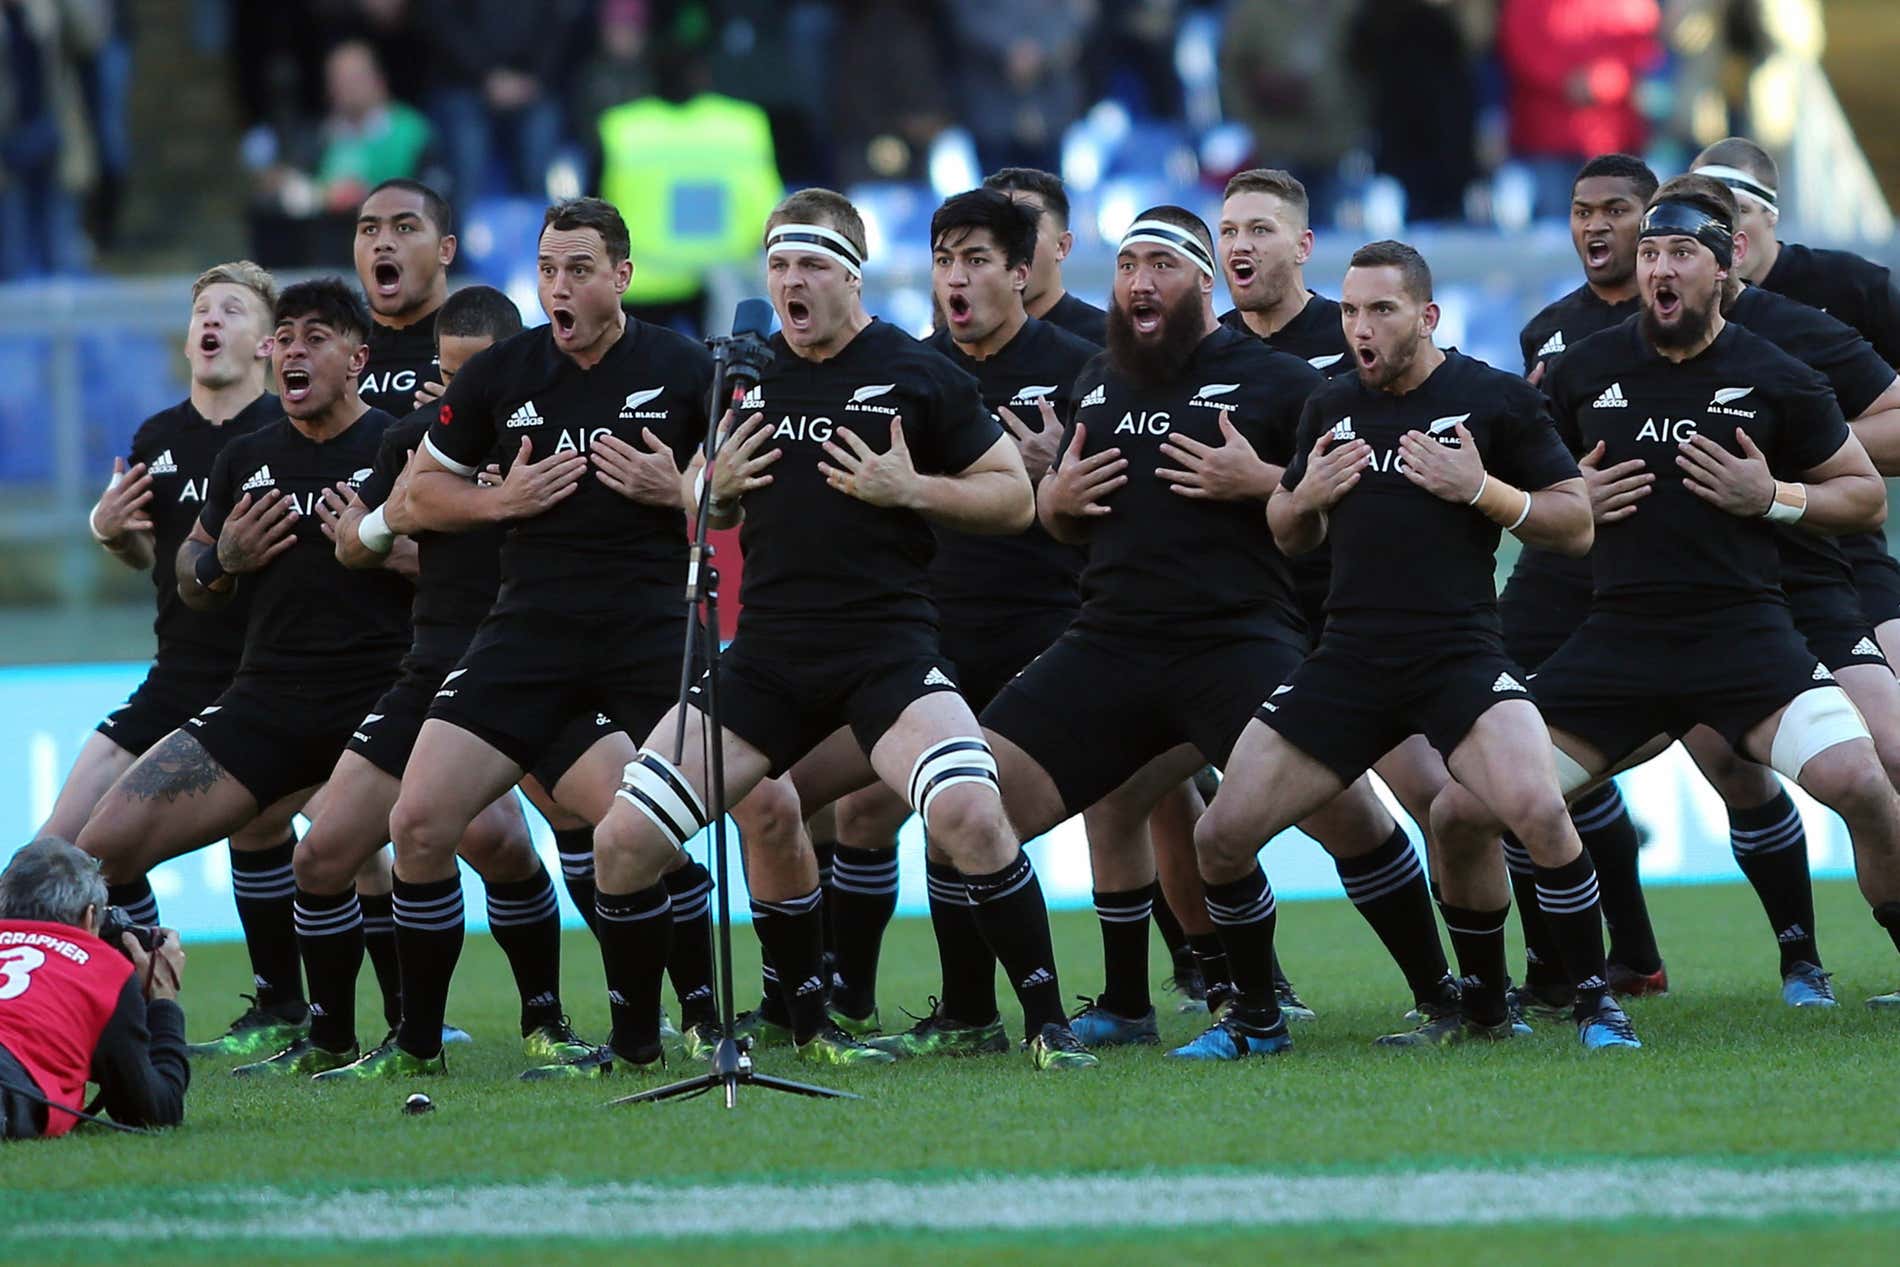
(75, 1008)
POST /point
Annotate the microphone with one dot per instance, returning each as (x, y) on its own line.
(745, 351)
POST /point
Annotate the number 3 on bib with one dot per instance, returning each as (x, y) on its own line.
(16, 970)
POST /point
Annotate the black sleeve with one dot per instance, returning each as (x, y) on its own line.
(1527, 345)
(1278, 437)
(1526, 450)
(964, 429)
(1562, 411)
(1306, 435)
(1853, 368)
(1812, 429)
(1883, 319)
(140, 1063)
(463, 433)
(390, 456)
(220, 496)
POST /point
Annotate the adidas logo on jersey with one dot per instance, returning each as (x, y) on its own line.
(1030, 395)
(754, 399)
(260, 478)
(631, 408)
(1865, 647)
(526, 416)
(163, 464)
(1553, 345)
(1820, 673)
(1098, 395)
(1612, 398)
(1325, 362)
(937, 677)
(1506, 683)
(1727, 396)
(1444, 430)
(1342, 430)
(1208, 397)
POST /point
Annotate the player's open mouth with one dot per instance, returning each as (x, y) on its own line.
(1145, 316)
(296, 384)
(1367, 357)
(210, 344)
(958, 308)
(1240, 270)
(1596, 252)
(1668, 302)
(388, 277)
(564, 322)
(797, 314)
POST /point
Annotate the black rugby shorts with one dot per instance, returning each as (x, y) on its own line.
(170, 695)
(277, 736)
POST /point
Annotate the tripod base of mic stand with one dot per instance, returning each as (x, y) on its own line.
(731, 1069)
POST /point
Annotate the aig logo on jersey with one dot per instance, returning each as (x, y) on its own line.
(1214, 396)
(1727, 396)
(1668, 430)
(646, 395)
(870, 399)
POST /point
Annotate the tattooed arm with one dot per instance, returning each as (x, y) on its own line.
(253, 535)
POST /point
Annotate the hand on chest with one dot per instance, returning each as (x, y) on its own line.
(1644, 423)
(567, 421)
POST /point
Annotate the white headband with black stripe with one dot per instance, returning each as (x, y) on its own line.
(1181, 241)
(818, 239)
(1742, 183)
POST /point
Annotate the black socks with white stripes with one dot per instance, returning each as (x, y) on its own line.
(330, 935)
(1567, 896)
(136, 899)
(792, 932)
(690, 962)
(1123, 916)
(1388, 889)
(266, 888)
(636, 932)
(525, 918)
(1609, 837)
(429, 932)
(1772, 850)
(1245, 914)
(859, 901)
(969, 969)
(379, 940)
(575, 845)
(1014, 920)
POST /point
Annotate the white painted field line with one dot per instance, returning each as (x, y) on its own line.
(1669, 1191)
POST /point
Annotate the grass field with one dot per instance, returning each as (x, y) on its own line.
(1743, 1133)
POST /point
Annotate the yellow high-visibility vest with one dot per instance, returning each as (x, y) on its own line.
(695, 182)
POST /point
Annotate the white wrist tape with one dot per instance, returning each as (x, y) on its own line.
(1480, 493)
(1789, 504)
(373, 531)
(1522, 515)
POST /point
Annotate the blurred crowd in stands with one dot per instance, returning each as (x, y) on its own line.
(698, 110)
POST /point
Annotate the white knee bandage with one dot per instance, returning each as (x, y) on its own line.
(947, 764)
(654, 786)
(1570, 775)
(1812, 723)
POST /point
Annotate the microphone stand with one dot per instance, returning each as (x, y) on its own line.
(731, 1064)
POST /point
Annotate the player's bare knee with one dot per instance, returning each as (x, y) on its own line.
(967, 821)
(422, 835)
(498, 846)
(320, 869)
(1850, 780)
(770, 820)
(1539, 818)
(867, 823)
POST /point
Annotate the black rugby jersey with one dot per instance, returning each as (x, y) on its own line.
(1545, 338)
(400, 362)
(819, 559)
(1079, 317)
(1409, 568)
(982, 582)
(1317, 337)
(1848, 287)
(312, 619)
(1179, 568)
(1678, 556)
(596, 552)
(459, 572)
(179, 447)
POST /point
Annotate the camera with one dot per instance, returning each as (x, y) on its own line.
(115, 923)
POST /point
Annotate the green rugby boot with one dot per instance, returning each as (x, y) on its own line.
(939, 1035)
(256, 1032)
(386, 1062)
(551, 1044)
(302, 1059)
(832, 1046)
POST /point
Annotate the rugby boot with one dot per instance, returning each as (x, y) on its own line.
(1096, 1026)
(1291, 1005)
(1881, 1002)
(256, 1032)
(302, 1059)
(1057, 1049)
(856, 1026)
(597, 1062)
(386, 1062)
(696, 1042)
(1551, 1001)
(1230, 1039)
(1806, 985)
(551, 1044)
(1187, 982)
(1608, 1026)
(761, 1033)
(938, 1035)
(1627, 983)
(834, 1046)
(669, 1033)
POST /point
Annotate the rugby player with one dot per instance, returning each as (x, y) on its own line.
(1045, 297)
(405, 242)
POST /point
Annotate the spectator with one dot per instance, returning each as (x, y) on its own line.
(693, 175)
(888, 97)
(621, 69)
(107, 79)
(365, 139)
(1283, 75)
(392, 29)
(773, 53)
(1417, 71)
(1021, 81)
(1574, 67)
(47, 158)
(497, 67)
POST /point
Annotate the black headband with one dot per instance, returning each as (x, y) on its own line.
(1685, 219)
